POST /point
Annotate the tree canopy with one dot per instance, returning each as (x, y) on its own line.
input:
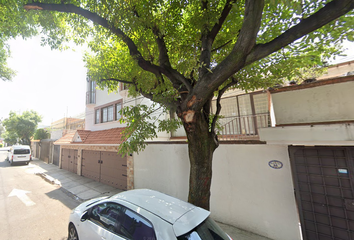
(21, 127)
(180, 54)
(40, 134)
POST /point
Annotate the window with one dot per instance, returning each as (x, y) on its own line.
(21, 151)
(122, 221)
(109, 112)
(97, 120)
(118, 108)
(104, 114)
(208, 230)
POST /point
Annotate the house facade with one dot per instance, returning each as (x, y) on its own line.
(283, 168)
(292, 180)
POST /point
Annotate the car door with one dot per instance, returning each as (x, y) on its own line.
(101, 223)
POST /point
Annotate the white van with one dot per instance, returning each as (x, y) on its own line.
(19, 153)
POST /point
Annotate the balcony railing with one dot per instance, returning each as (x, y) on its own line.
(243, 127)
(91, 97)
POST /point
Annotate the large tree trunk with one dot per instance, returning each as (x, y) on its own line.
(201, 146)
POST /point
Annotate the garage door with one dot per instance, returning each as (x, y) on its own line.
(90, 164)
(323, 178)
(69, 160)
(106, 167)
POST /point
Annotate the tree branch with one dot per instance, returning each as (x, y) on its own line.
(325, 15)
(133, 49)
(176, 78)
(218, 105)
(215, 49)
(208, 37)
(164, 61)
(151, 97)
(236, 59)
(225, 12)
(250, 27)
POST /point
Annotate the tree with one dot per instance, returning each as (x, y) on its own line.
(180, 54)
(21, 127)
(40, 134)
(10, 138)
(14, 21)
(1, 128)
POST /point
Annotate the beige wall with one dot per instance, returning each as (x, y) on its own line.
(330, 134)
(337, 70)
(246, 192)
(333, 102)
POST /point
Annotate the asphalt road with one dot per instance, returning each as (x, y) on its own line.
(31, 208)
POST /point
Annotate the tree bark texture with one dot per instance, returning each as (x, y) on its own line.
(201, 146)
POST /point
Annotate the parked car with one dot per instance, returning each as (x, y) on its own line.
(142, 214)
(19, 153)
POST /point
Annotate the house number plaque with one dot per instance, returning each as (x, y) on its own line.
(275, 164)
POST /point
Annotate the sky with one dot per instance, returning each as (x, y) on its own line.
(53, 82)
(50, 82)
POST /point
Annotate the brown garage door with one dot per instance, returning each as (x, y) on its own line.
(90, 164)
(106, 167)
(113, 170)
(69, 160)
(323, 178)
(65, 153)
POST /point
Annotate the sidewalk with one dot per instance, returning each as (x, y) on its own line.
(82, 189)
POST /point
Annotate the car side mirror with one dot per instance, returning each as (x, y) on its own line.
(84, 217)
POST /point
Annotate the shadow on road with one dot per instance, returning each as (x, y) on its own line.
(61, 195)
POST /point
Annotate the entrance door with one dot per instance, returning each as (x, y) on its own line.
(69, 160)
(323, 179)
(65, 157)
(73, 161)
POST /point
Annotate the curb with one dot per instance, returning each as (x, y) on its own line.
(54, 181)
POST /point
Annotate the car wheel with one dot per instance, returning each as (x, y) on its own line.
(72, 233)
(27, 163)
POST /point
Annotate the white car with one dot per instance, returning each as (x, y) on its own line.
(19, 153)
(142, 214)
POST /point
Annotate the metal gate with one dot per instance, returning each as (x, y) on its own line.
(56, 154)
(323, 179)
(106, 167)
(69, 160)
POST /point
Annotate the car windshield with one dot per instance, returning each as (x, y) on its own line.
(207, 230)
(21, 151)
